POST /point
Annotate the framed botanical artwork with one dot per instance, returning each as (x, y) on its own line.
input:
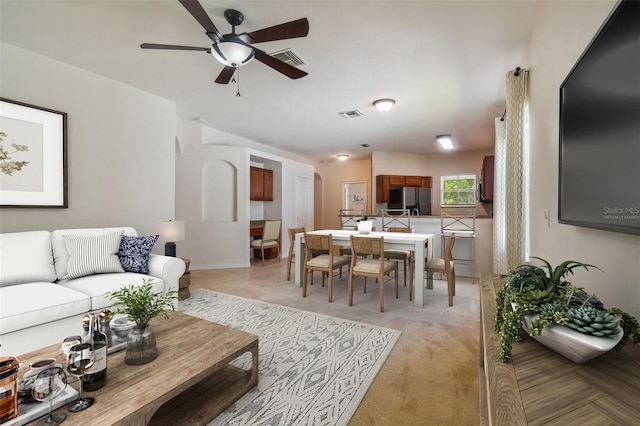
(33, 160)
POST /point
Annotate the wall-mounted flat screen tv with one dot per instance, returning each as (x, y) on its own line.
(599, 179)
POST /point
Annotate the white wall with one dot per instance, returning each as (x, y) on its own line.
(120, 146)
(561, 35)
(225, 243)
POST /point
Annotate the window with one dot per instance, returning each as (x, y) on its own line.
(458, 190)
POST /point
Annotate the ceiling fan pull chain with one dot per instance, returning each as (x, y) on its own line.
(238, 72)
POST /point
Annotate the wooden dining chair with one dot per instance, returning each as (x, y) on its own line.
(270, 238)
(325, 262)
(373, 264)
(405, 255)
(444, 266)
(292, 241)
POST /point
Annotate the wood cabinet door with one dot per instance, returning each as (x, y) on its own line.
(256, 185)
(425, 182)
(412, 181)
(396, 181)
(382, 189)
(268, 184)
(486, 179)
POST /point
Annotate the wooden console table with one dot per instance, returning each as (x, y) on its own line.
(539, 386)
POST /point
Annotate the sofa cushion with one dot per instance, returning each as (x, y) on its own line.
(90, 255)
(26, 257)
(95, 286)
(60, 253)
(134, 252)
(31, 304)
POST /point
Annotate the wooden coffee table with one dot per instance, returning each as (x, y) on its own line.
(190, 382)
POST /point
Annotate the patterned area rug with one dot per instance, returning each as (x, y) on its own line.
(314, 369)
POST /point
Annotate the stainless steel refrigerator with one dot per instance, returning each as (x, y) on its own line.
(416, 200)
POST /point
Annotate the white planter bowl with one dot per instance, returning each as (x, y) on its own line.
(571, 344)
(365, 226)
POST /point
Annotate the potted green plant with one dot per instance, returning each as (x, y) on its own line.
(139, 304)
(365, 223)
(560, 315)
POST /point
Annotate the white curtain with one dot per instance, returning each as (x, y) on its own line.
(509, 199)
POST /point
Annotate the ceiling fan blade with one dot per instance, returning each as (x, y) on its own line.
(293, 29)
(197, 11)
(225, 75)
(173, 47)
(286, 69)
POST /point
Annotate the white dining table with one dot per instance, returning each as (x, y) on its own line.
(420, 244)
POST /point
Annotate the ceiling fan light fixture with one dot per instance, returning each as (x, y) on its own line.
(232, 54)
(446, 141)
(384, 105)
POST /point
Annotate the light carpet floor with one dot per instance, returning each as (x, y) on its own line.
(314, 369)
(431, 375)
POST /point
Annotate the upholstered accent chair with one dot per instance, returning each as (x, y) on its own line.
(270, 238)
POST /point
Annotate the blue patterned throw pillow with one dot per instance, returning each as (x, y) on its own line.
(134, 252)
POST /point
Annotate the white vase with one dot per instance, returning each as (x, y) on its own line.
(571, 344)
(365, 226)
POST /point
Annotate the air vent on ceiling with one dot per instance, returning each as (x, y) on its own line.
(351, 114)
(288, 56)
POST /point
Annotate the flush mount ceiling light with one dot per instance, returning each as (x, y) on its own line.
(384, 105)
(232, 54)
(342, 157)
(446, 141)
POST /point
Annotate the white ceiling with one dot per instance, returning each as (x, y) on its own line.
(442, 61)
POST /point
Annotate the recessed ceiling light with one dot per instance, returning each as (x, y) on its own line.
(342, 156)
(446, 141)
(384, 105)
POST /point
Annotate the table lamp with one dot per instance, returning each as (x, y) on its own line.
(171, 231)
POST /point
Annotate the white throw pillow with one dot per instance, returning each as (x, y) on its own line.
(92, 254)
(26, 257)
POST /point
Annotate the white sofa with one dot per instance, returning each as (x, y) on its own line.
(48, 280)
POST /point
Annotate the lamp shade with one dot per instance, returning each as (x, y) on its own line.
(172, 230)
(232, 54)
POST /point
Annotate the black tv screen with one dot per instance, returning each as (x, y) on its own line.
(599, 179)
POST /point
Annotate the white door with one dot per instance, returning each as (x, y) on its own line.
(304, 201)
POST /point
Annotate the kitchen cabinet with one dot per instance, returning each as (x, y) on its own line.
(412, 181)
(396, 181)
(261, 184)
(382, 188)
(268, 184)
(486, 179)
(425, 182)
(386, 182)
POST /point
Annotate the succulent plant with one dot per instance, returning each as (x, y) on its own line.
(589, 320)
(543, 292)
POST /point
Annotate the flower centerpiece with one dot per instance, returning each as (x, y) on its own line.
(558, 314)
(365, 224)
(139, 304)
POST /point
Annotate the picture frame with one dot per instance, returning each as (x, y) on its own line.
(33, 156)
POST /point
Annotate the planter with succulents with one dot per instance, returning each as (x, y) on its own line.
(559, 315)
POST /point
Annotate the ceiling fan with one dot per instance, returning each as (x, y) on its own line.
(235, 50)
